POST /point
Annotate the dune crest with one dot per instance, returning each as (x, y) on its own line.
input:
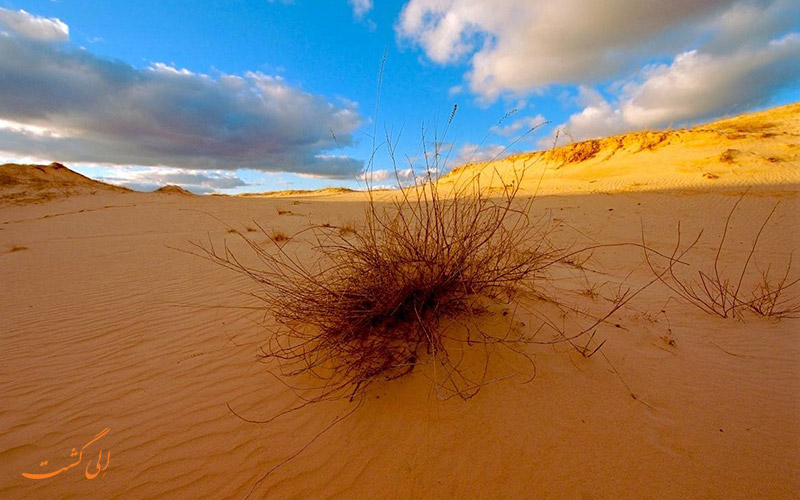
(299, 192)
(173, 189)
(760, 148)
(20, 184)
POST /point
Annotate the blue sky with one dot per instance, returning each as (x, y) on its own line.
(233, 96)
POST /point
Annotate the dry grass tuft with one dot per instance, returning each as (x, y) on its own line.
(769, 298)
(415, 284)
(278, 237)
(726, 295)
(346, 229)
(728, 156)
(396, 292)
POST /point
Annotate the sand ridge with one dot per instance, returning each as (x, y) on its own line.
(20, 184)
(172, 189)
(755, 149)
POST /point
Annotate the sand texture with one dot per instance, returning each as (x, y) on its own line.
(107, 322)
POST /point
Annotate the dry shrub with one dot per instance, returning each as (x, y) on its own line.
(347, 229)
(412, 284)
(728, 156)
(583, 151)
(768, 297)
(727, 294)
(278, 237)
(380, 299)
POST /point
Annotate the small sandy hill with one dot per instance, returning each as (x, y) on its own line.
(21, 184)
(173, 189)
(300, 192)
(760, 148)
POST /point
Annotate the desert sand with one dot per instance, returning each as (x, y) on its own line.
(106, 322)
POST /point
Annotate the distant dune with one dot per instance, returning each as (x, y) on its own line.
(301, 192)
(37, 183)
(755, 149)
(21, 184)
(172, 189)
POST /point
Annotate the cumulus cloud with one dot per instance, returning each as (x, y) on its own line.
(404, 176)
(473, 153)
(518, 45)
(699, 85)
(26, 25)
(695, 85)
(360, 7)
(98, 110)
(519, 126)
(750, 24)
(150, 178)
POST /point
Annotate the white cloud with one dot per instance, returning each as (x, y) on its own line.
(698, 85)
(58, 101)
(750, 24)
(11, 157)
(518, 46)
(150, 178)
(34, 130)
(455, 90)
(520, 126)
(473, 153)
(694, 86)
(360, 7)
(404, 176)
(170, 69)
(26, 25)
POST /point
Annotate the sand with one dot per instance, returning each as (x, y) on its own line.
(105, 322)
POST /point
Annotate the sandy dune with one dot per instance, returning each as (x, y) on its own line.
(759, 149)
(106, 323)
(23, 184)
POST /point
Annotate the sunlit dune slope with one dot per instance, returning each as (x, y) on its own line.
(299, 192)
(754, 149)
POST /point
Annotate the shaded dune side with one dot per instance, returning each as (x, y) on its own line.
(173, 189)
(20, 184)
